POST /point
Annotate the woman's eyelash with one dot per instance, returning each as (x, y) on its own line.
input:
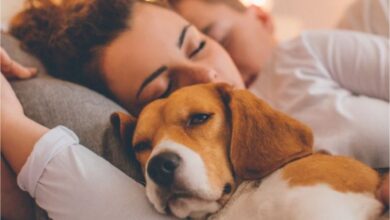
(168, 90)
(202, 44)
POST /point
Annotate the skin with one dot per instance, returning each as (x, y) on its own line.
(14, 149)
(235, 31)
(12, 69)
(127, 63)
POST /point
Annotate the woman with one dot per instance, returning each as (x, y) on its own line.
(135, 52)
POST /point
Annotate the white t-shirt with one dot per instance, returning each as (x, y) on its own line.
(71, 182)
(337, 82)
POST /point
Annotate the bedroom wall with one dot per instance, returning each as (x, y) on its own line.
(291, 16)
(8, 8)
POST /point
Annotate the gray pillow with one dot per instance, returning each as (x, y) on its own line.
(53, 102)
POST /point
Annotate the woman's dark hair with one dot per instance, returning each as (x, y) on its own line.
(68, 35)
(235, 4)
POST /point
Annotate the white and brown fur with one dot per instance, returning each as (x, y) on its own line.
(246, 147)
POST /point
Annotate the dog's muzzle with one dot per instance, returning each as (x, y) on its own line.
(177, 182)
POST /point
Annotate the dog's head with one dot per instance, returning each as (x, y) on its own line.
(195, 145)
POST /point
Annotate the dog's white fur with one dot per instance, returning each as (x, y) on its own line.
(191, 176)
(197, 192)
(274, 199)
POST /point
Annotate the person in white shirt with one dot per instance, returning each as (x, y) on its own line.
(336, 81)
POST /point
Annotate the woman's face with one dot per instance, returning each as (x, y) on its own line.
(159, 54)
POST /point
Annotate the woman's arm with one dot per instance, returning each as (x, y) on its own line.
(71, 182)
(66, 179)
(16, 203)
(19, 133)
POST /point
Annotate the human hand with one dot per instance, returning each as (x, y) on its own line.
(12, 69)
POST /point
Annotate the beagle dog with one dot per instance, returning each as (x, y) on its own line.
(205, 143)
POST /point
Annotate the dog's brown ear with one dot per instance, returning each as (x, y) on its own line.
(263, 139)
(124, 124)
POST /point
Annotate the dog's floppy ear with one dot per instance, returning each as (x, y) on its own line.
(262, 139)
(124, 124)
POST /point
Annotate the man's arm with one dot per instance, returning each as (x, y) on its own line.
(357, 62)
(370, 16)
(301, 83)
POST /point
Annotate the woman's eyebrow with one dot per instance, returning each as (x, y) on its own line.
(183, 35)
(150, 78)
(162, 69)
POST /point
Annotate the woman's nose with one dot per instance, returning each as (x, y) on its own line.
(191, 75)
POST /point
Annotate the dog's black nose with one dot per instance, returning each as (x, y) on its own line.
(162, 168)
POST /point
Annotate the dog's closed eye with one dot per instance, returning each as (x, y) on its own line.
(198, 118)
(142, 146)
(227, 188)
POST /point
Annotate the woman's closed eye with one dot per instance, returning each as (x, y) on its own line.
(168, 90)
(200, 47)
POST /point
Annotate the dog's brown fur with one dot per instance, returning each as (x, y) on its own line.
(249, 140)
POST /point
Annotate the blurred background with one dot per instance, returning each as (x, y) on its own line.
(290, 16)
